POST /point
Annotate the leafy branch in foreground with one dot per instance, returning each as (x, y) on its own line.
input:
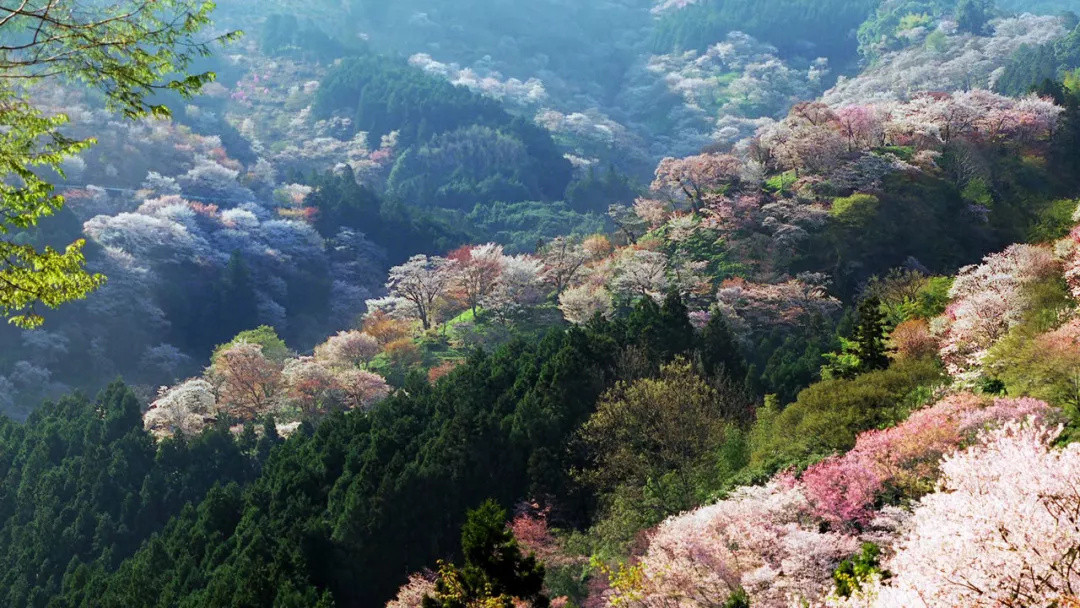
(127, 50)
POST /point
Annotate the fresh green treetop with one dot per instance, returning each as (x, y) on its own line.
(30, 140)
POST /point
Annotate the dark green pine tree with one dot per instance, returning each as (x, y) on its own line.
(719, 350)
(663, 331)
(494, 565)
(1066, 140)
(239, 309)
(870, 336)
(973, 15)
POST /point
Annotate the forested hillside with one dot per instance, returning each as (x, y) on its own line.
(475, 303)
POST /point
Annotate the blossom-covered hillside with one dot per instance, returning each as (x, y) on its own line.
(490, 304)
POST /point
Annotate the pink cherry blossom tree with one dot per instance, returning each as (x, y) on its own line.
(697, 180)
(1003, 531)
(476, 272)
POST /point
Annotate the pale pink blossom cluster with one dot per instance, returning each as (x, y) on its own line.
(959, 62)
(751, 307)
(988, 300)
(760, 539)
(1002, 531)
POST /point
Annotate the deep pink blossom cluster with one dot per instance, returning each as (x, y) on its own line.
(844, 489)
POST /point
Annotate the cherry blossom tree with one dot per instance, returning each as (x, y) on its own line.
(563, 258)
(476, 272)
(247, 383)
(811, 148)
(580, 304)
(385, 327)
(752, 307)
(651, 211)
(310, 385)
(185, 409)
(812, 113)
(1003, 531)
(690, 279)
(519, 285)
(347, 349)
(697, 180)
(627, 221)
(361, 389)
(862, 125)
(422, 281)
(641, 273)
